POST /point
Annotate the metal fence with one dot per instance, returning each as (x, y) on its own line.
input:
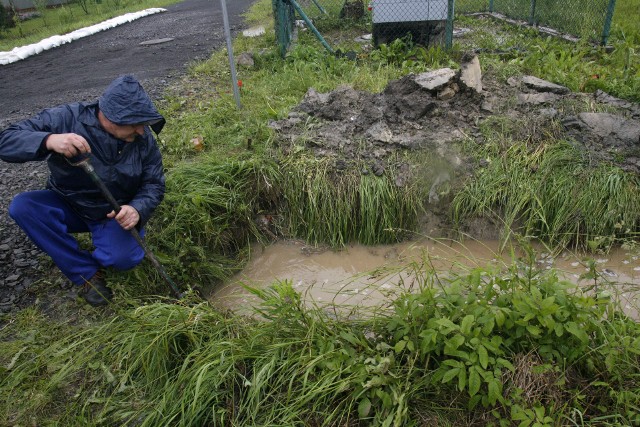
(587, 19)
(430, 22)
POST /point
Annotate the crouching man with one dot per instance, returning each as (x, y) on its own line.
(115, 132)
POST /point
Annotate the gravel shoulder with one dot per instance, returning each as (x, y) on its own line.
(80, 71)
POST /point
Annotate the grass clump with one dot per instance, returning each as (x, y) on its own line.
(336, 207)
(207, 220)
(555, 193)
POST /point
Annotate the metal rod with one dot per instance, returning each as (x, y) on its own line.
(532, 12)
(449, 27)
(232, 65)
(88, 168)
(606, 30)
(320, 7)
(310, 24)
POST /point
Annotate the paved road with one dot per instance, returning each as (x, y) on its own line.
(82, 69)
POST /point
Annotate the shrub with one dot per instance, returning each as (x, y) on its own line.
(6, 18)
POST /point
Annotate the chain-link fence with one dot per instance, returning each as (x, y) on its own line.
(588, 19)
(430, 22)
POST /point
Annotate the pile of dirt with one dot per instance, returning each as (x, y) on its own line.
(434, 111)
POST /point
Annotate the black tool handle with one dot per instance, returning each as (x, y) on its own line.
(88, 168)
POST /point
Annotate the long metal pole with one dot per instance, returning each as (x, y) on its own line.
(232, 64)
(86, 165)
(607, 22)
(532, 12)
(449, 26)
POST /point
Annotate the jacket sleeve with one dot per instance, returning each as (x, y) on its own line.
(151, 192)
(24, 141)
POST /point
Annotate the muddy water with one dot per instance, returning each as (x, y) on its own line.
(370, 276)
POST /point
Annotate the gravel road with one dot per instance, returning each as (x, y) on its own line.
(80, 71)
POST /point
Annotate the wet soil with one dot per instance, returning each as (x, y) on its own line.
(436, 114)
(80, 71)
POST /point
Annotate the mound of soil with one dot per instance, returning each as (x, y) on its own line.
(432, 112)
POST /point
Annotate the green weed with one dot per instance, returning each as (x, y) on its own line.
(555, 193)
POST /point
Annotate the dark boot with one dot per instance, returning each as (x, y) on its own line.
(95, 291)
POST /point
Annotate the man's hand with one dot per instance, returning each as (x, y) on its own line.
(67, 144)
(128, 216)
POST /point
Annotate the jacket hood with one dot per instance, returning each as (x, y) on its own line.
(125, 102)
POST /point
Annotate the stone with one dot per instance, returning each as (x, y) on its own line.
(537, 98)
(380, 132)
(540, 85)
(471, 74)
(614, 130)
(254, 31)
(245, 59)
(156, 41)
(434, 80)
(446, 94)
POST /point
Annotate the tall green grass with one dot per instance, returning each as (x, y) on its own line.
(205, 224)
(325, 205)
(555, 193)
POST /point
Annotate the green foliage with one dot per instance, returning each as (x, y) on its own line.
(455, 345)
(411, 57)
(325, 205)
(506, 50)
(554, 193)
(585, 68)
(206, 221)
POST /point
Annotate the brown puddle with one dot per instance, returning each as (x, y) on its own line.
(369, 276)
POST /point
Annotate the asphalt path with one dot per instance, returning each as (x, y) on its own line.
(81, 70)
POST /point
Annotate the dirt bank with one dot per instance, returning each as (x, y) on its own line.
(433, 111)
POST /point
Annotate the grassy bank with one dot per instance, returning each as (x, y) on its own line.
(508, 346)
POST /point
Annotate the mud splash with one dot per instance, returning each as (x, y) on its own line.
(371, 276)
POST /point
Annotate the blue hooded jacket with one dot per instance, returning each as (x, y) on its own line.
(132, 171)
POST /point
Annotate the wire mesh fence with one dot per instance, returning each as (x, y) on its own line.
(590, 20)
(430, 22)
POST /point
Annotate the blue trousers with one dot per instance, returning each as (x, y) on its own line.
(48, 221)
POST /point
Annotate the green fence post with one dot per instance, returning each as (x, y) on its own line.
(319, 6)
(532, 12)
(607, 22)
(491, 6)
(281, 28)
(310, 24)
(449, 30)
